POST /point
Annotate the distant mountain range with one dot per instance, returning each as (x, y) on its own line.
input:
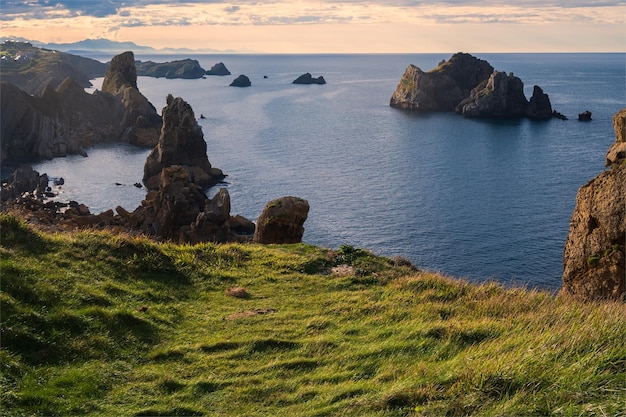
(89, 47)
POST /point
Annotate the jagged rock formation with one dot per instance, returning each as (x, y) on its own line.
(501, 95)
(241, 81)
(594, 265)
(67, 120)
(184, 68)
(308, 79)
(181, 143)
(282, 221)
(218, 69)
(140, 122)
(24, 180)
(442, 88)
(471, 87)
(32, 69)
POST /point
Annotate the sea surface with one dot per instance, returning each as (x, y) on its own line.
(476, 199)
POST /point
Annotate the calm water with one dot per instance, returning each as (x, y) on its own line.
(474, 199)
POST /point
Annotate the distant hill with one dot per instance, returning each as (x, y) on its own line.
(89, 47)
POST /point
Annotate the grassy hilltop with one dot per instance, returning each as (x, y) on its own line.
(110, 325)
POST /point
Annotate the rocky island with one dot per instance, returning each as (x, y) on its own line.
(471, 87)
(307, 78)
(218, 69)
(185, 68)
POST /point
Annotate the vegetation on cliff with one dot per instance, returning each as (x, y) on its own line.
(104, 324)
(32, 69)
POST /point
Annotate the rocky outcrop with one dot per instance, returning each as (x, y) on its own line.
(471, 87)
(24, 180)
(442, 88)
(584, 116)
(184, 68)
(500, 96)
(67, 120)
(539, 107)
(241, 81)
(218, 69)
(617, 152)
(139, 120)
(282, 221)
(308, 79)
(594, 264)
(181, 142)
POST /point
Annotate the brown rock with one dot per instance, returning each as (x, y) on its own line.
(181, 142)
(442, 88)
(282, 221)
(617, 152)
(593, 259)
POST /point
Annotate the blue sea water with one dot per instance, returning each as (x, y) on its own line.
(476, 199)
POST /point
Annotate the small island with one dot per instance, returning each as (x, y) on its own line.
(241, 81)
(218, 69)
(309, 79)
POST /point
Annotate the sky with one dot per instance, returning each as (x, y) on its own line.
(327, 26)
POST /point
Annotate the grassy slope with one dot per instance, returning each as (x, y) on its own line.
(96, 324)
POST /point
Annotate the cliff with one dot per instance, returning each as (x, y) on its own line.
(593, 258)
(66, 120)
(32, 69)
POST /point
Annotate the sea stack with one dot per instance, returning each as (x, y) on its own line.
(181, 143)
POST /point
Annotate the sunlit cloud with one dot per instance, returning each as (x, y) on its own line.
(72, 20)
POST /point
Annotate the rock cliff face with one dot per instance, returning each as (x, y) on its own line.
(66, 120)
(442, 88)
(181, 142)
(593, 259)
(471, 87)
(501, 96)
(139, 120)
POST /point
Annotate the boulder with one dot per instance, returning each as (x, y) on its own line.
(593, 259)
(181, 142)
(241, 81)
(282, 221)
(500, 96)
(442, 88)
(218, 69)
(308, 79)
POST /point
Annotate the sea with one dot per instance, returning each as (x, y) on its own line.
(481, 200)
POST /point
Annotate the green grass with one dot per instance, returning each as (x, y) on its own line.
(109, 325)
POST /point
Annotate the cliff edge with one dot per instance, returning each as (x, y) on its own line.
(593, 259)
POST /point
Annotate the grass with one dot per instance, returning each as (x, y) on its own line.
(112, 325)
